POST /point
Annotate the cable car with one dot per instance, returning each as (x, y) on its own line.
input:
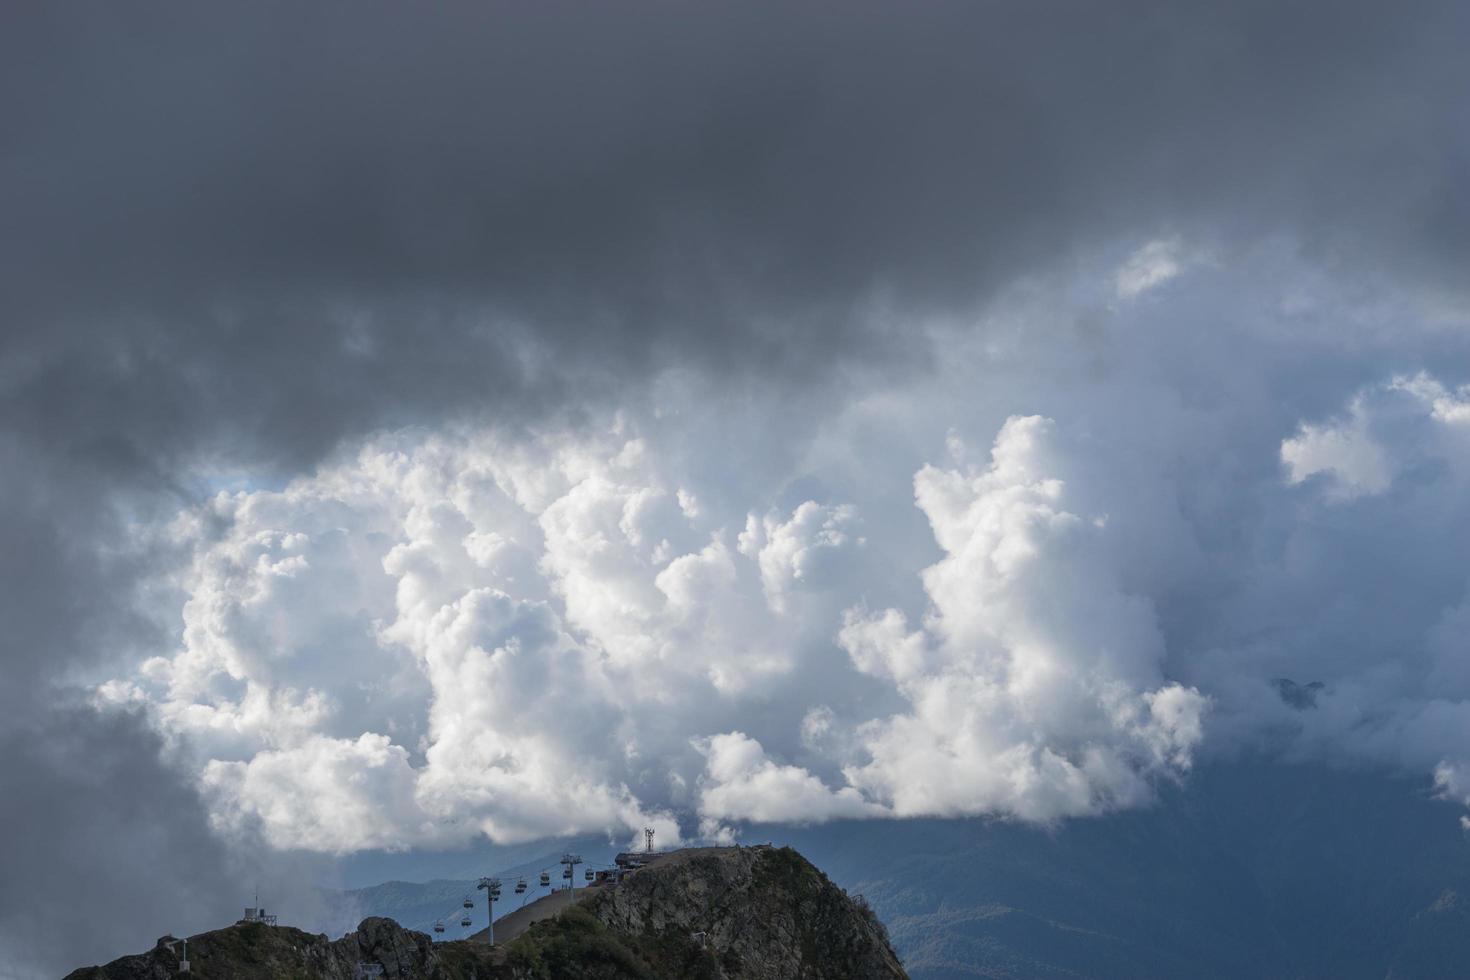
(567, 872)
(439, 926)
(465, 922)
(589, 876)
(521, 887)
(545, 879)
(468, 904)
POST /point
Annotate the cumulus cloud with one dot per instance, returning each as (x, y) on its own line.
(742, 783)
(1387, 429)
(1355, 462)
(553, 683)
(472, 688)
(803, 552)
(322, 794)
(1036, 684)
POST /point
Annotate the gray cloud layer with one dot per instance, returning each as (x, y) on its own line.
(298, 220)
(243, 235)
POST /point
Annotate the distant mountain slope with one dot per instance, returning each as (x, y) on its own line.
(418, 905)
(708, 914)
(413, 905)
(1247, 870)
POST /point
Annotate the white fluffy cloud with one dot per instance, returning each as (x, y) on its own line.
(806, 551)
(487, 639)
(324, 794)
(514, 639)
(1386, 429)
(1035, 686)
(742, 783)
(694, 614)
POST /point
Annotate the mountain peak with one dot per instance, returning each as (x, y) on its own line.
(713, 913)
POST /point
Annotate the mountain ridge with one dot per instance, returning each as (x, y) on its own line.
(734, 913)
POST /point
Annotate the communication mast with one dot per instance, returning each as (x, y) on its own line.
(256, 913)
(647, 840)
(183, 956)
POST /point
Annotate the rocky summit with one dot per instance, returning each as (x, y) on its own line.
(730, 913)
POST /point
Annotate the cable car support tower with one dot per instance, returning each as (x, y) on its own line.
(570, 874)
(492, 892)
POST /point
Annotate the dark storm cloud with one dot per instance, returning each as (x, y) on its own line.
(105, 845)
(123, 849)
(124, 852)
(246, 232)
(311, 219)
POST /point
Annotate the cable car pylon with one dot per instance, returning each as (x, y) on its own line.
(571, 861)
(492, 892)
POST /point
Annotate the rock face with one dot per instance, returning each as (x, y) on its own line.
(755, 913)
(253, 951)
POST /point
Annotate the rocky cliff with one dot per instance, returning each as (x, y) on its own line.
(253, 951)
(755, 913)
(721, 914)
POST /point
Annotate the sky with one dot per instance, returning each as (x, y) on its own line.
(492, 423)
